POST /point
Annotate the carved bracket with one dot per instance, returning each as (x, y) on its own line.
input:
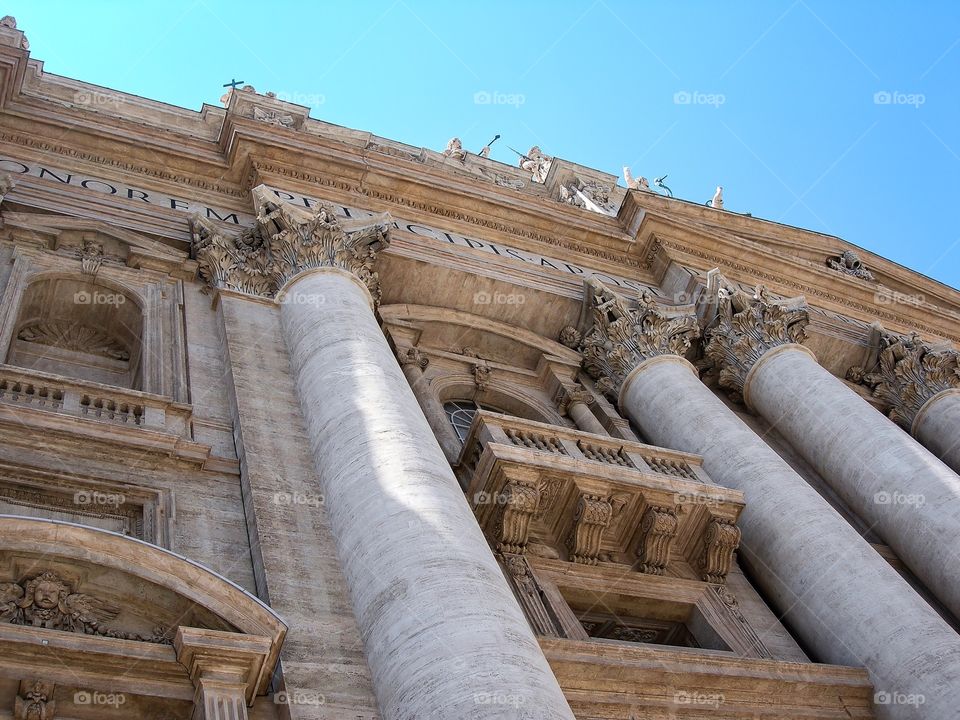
(520, 500)
(658, 529)
(593, 516)
(720, 541)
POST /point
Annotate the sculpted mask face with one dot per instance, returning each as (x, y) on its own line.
(46, 595)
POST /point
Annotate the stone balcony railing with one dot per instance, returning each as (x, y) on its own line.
(593, 499)
(47, 402)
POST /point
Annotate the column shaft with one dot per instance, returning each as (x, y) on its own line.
(889, 479)
(584, 419)
(443, 634)
(849, 606)
(432, 410)
(937, 426)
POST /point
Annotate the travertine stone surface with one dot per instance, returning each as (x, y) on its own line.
(910, 498)
(847, 604)
(294, 554)
(937, 426)
(443, 634)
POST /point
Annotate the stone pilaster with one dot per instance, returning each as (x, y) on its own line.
(414, 362)
(847, 603)
(441, 628)
(749, 326)
(920, 384)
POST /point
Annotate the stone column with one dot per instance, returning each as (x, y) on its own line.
(846, 603)
(443, 634)
(920, 385)
(575, 402)
(414, 362)
(886, 477)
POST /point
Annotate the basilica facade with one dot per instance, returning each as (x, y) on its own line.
(301, 422)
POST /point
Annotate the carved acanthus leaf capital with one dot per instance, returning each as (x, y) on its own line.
(623, 336)
(748, 326)
(911, 372)
(570, 395)
(286, 241)
(414, 356)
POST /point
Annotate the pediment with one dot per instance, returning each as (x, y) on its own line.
(65, 234)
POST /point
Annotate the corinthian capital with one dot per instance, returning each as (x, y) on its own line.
(748, 326)
(286, 241)
(623, 336)
(910, 373)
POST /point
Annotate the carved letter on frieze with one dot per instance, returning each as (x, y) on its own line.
(911, 372)
(622, 336)
(286, 241)
(720, 541)
(593, 516)
(657, 529)
(747, 327)
(519, 501)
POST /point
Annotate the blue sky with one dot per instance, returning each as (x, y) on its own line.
(841, 117)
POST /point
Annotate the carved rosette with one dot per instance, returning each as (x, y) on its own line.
(622, 336)
(658, 528)
(593, 516)
(910, 373)
(286, 241)
(748, 327)
(519, 501)
(720, 541)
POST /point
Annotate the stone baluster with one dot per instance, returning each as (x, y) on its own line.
(442, 630)
(891, 481)
(920, 385)
(575, 402)
(848, 605)
(414, 362)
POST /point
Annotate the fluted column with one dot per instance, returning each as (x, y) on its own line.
(442, 632)
(920, 385)
(575, 402)
(847, 604)
(889, 479)
(413, 362)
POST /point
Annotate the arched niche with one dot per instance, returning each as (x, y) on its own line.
(81, 328)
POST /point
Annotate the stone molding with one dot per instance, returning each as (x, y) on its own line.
(747, 327)
(910, 373)
(285, 242)
(621, 337)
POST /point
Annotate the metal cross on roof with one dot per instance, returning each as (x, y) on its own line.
(233, 84)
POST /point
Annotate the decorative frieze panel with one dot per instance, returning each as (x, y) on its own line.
(286, 241)
(749, 326)
(910, 372)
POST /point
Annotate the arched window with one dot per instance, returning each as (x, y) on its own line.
(81, 329)
(460, 413)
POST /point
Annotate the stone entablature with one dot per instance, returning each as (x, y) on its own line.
(597, 499)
